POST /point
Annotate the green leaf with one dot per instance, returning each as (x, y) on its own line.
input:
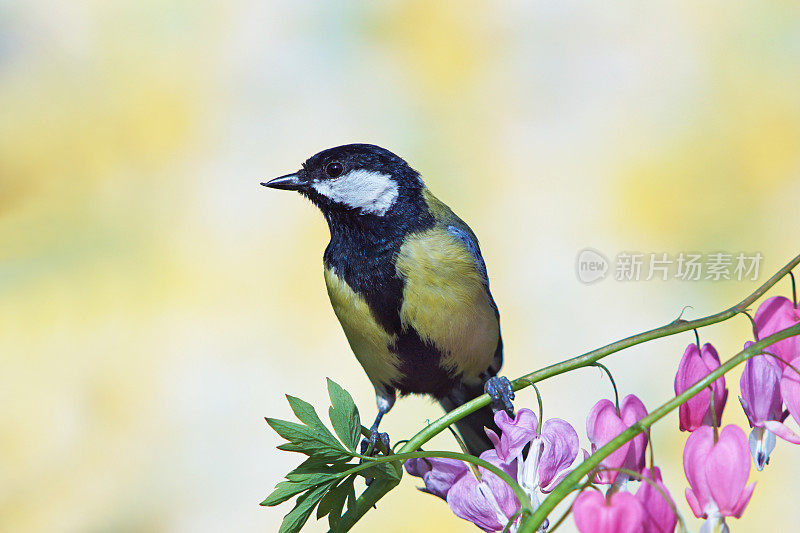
(334, 502)
(313, 464)
(309, 441)
(297, 517)
(291, 431)
(351, 499)
(382, 471)
(309, 474)
(304, 411)
(285, 490)
(344, 415)
(317, 470)
(325, 503)
(319, 477)
(291, 447)
(324, 506)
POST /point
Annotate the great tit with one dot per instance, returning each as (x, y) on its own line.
(408, 284)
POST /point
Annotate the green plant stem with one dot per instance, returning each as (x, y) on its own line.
(525, 502)
(713, 413)
(541, 408)
(519, 492)
(587, 485)
(782, 360)
(380, 487)
(753, 323)
(573, 478)
(474, 462)
(605, 369)
(511, 521)
(678, 326)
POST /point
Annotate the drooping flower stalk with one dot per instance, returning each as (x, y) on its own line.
(378, 489)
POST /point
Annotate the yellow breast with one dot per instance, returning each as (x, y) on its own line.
(368, 340)
(444, 299)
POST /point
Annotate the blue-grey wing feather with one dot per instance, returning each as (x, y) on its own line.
(473, 248)
(471, 243)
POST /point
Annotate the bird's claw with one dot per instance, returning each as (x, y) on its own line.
(500, 390)
(371, 446)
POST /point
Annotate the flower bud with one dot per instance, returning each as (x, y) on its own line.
(774, 315)
(438, 474)
(694, 366)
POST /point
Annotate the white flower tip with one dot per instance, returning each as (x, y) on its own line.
(762, 442)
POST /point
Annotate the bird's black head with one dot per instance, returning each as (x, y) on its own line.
(354, 180)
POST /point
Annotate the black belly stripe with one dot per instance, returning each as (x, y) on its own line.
(420, 368)
(367, 265)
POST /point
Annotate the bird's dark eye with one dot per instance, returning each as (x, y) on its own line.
(334, 169)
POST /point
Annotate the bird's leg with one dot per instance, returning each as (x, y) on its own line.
(385, 400)
(500, 390)
(369, 446)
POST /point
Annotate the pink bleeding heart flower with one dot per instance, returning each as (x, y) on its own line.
(515, 433)
(762, 403)
(439, 475)
(658, 514)
(717, 473)
(633, 410)
(603, 424)
(790, 394)
(621, 513)
(550, 454)
(774, 315)
(558, 448)
(694, 366)
(489, 503)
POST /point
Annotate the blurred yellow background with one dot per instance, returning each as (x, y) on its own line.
(156, 302)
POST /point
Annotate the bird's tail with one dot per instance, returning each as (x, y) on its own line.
(471, 427)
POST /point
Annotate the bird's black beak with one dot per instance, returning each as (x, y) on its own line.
(290, 182)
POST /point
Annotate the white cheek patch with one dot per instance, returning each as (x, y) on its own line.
(371, 192)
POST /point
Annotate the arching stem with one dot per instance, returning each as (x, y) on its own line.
(565, 486)
(603, 367)
(752, 323)
(380, 488)
(541, 408)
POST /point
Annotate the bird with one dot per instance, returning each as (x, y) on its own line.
(408, 284)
